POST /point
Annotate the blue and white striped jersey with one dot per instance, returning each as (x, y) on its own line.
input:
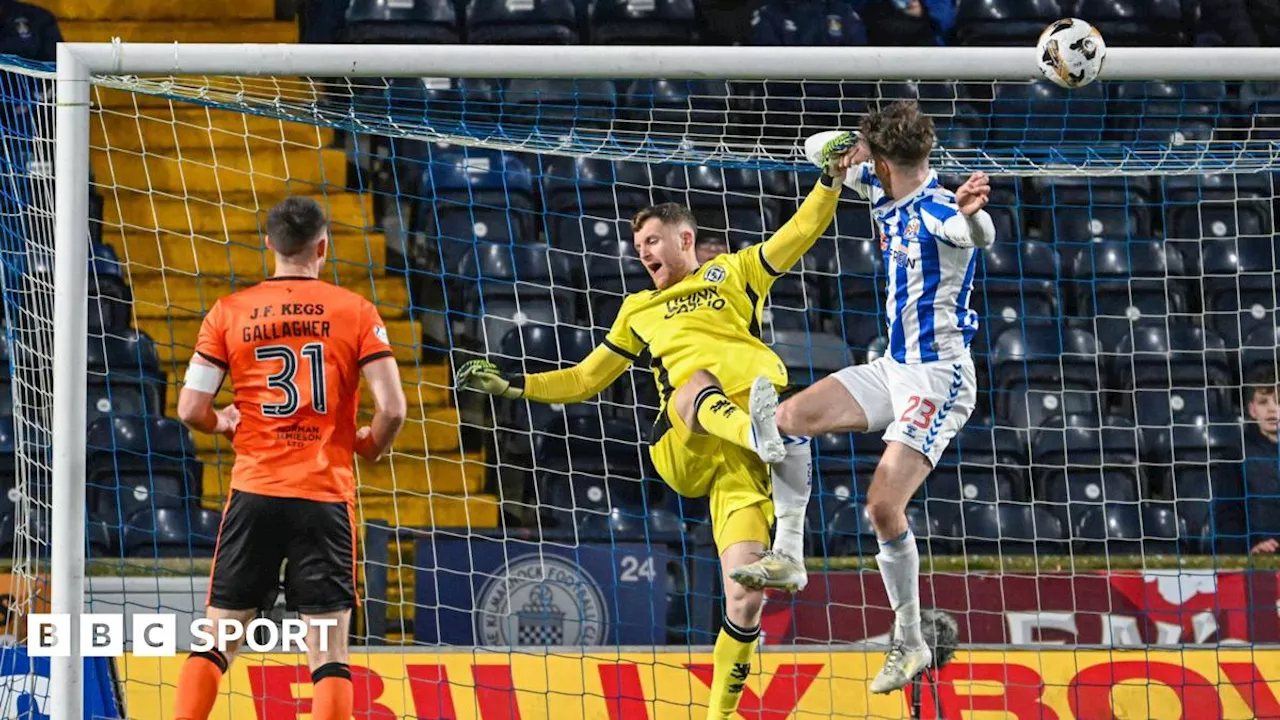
(930, 264)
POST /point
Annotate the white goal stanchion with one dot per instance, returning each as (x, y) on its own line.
(459, 151)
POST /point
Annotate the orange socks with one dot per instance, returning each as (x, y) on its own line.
(332, 694)
(198, 685)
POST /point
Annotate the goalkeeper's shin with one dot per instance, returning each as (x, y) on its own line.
(734, 648)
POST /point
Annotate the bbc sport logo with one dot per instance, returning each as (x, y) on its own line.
(156, 635)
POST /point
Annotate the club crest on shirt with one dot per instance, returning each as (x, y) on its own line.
(380, 332)
(913, 229)
(715, 274)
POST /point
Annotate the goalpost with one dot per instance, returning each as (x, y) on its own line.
(300, 90)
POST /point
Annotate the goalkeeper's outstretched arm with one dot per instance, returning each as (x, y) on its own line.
(815, 214)
(585, 380)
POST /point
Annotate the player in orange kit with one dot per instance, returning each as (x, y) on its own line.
(295, 348)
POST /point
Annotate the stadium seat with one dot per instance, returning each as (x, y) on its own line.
(1152, 23)
(1192, 460)
(1116, 529)
(137, 464)
(586, 501)
(110, 298)
(1260, 350)
(859, 270)
(1078, 461)
(671, 113)
(981, 464)
(1005, 22)
(1166, 366)
(1008, 529)
(124, 376)
(851, 534)
(789, 303)
(1014, 282)
(535, 348)
(476, 195)
(844, 463)
(652, 22)
(809, 357)
(1121, 284)
(1164, 113)
(417, 22)
(1042, 356)
(558, 105)
(615, 271)
(171, 532)
(740, 205)
(585, 197)
(1239, 286)
(504, 286)
(1017, 105)
(522, 22)
(1208, 207)
(1259, 106)
(1077, 209)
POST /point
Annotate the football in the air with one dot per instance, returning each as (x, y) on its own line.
(1070, 53)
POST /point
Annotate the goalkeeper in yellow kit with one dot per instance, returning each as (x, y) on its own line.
(715, 434)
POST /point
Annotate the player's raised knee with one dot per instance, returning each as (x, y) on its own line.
(743, 605)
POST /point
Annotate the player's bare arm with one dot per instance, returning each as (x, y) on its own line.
(374, 440)
(195, 401)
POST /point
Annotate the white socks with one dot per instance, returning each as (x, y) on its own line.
(899, 562)
(792, 485)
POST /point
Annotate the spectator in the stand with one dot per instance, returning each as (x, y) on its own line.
(1258, 493)
(708, 247)
(832, 23)
(1242, 23)
(28, 31)
(907, 22)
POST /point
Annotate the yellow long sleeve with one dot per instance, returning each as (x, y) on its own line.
(794, 239)
(580, 382)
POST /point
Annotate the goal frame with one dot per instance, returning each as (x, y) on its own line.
(79, 63)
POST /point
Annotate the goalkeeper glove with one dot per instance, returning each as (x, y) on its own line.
(483, 376)
(824, 148)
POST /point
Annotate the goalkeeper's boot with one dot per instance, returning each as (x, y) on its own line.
(901, 666)
(772, 570)
(764, 429)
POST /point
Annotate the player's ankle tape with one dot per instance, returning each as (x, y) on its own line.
(739, 634)
(214, 656)
(702, 396)
(333, 669)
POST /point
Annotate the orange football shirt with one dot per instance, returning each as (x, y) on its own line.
(293, 348)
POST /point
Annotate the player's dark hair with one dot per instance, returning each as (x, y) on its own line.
(668, 213)
(1260, 380)
(899, 133)
(295, 224)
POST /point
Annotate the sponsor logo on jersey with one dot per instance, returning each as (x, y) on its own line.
(380, 332)
(696, 300)
(540, 600)
(715, 274)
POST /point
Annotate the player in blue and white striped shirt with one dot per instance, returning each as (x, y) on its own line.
(924, 389)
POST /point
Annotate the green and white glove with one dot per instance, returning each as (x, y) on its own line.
(823, 148)
(483, 376)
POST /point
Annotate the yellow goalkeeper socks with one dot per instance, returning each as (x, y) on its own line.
(718, 416)
(734, 648)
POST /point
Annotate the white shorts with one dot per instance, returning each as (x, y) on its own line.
(922, 406)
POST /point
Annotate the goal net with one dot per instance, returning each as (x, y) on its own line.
(1088, 530)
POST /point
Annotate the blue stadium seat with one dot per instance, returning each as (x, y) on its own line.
(652, 22)
(416, 22)
(809, 357)
(1260, 350)
(673, 112)
(476, 195)
(1167, 365)
(844, 463)
(1005, 22)
(1239, 286)
(110, 297)
(1127, 529)
(1045, 357)
(596, 445)
(1193, 460)
(124, 376)
(1259, 104)
(587, 501)
(1008, 529)
(140, 463)
(538, 348)
(504, 286)
(859, 267)
(1014, 282)
(1153, 23)
(574, 185)
(789, 303)
(1164, 113)
(1078, 209)
(1079, 461)
(171, 532)
(1208, 207)
(615, 271)
(551, 105)
(525, 22)
(740, 205)
(1017, 107)
(1121, 284)
(850, 532)
(981, 464)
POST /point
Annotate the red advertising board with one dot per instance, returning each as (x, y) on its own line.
(1111, 609)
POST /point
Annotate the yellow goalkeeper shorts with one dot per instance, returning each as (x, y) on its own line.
(734, 478)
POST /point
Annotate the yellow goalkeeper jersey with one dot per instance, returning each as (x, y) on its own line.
(710, 321)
